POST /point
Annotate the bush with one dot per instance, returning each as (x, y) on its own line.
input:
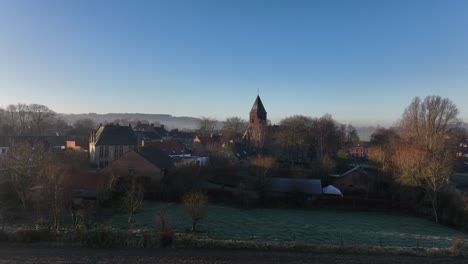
(3, 236)
(166, 237)
(100, 237)
(457, 246)
(30, 235)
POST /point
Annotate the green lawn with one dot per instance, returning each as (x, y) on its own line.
(317, 226)
(460, 179)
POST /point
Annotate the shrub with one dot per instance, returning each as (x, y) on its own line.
(30, 235)
(166, 237)
(100, 237)
(456, 246)
(3, 236)
(187, 239)
(149, 239)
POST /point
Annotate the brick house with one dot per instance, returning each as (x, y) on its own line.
(359, 149)
(362, 182)
(149, 163)
(109, 142)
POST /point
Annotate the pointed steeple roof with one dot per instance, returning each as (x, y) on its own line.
(257, 107)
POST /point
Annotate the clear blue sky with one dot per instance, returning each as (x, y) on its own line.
(361, 61)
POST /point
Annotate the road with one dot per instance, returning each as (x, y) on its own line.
(41, 254)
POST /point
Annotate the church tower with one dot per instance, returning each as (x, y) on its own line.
(257, 124)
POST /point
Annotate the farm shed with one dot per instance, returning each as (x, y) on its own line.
(284, 186)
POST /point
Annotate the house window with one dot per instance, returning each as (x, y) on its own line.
(106, 151)
(131, 168)
(101, 164)
(106, 163)
(121, 150)
(116, 152)
(101, 152)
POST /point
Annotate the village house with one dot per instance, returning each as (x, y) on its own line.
(109, 142)
(462, 150)
(185, 137)
(160, 129)
(359, 149)
(146, 136)
(173, 148)
(202, 145)
(150, 164)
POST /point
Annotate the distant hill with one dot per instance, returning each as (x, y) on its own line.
(171, 122)
(180, 122)
(366, 132)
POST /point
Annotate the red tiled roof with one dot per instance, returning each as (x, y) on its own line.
(171, 147)
(86, 179)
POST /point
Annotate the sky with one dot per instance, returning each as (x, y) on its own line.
(361, 61)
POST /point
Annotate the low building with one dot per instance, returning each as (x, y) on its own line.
(288, 186)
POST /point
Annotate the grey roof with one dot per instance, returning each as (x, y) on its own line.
(147, 135)
(357, 168)
(114, 135)
(240, 151)
(258, 106)
(287, 185)
(157, 157)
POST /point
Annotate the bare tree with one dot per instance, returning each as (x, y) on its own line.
(40, 115)
(233, 128)
(133, 199)
(328, 136)
(55, 194)
(425, 160)
(23, 163)
(207, 126)
(295, 137)
(429, 122)
(383, 142)
(351, 134)
(262, 170)
(196, 205)
(24, 117)
(83, 127)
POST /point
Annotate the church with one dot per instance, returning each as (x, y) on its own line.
(259, 135)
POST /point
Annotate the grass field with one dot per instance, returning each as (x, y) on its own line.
(460, 180)
(316, 226)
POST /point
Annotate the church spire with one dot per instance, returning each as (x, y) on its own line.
(258, 106)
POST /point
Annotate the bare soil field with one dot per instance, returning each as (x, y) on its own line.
(30, 253)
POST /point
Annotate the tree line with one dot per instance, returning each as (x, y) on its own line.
(35, 119)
